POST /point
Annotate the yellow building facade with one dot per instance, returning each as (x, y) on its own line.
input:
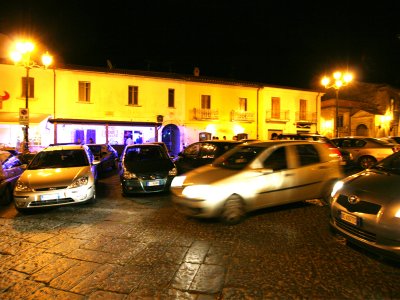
(75, 104)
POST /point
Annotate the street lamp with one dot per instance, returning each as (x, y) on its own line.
(21, 55)
(337, 81)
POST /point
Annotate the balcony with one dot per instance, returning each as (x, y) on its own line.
(242, 116)
(205, 114)
(272, 116)
(303, 117)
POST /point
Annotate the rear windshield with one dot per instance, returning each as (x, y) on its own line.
(145, 153)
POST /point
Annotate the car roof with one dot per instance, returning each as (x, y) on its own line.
(64, 147)
(270, 143)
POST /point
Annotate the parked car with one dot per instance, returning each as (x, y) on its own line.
(257, 175)
(346, 158)
(58, 175)
(365, 207)
(202, 153)
(162, 144)
(146, 168)
(10, 170)
(106, 155)
(366, 151)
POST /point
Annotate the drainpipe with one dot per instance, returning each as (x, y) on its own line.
(54, 105)
(258, 90)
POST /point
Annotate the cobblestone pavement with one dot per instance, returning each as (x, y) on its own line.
(140, 248)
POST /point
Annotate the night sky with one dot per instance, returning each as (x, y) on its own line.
(287, 43)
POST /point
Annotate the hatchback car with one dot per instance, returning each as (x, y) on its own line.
(10, 170)
(146, 168)
(57, 175)
(365, 207)
(106, 155)
(202, 153)
(257, 175)
(366, 151)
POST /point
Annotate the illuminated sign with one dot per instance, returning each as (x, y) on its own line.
(5, 97)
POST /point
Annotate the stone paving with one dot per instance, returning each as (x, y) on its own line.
(140, 248)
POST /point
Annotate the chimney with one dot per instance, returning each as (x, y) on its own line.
(196, 72)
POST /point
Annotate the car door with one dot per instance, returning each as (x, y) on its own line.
(189, 158)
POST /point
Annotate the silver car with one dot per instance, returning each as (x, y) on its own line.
(366, 151)
(257, 175)
(58, 175)
(365, 207)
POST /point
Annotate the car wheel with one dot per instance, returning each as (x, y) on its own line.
(233, 211)
(7, 196)
(367, 162)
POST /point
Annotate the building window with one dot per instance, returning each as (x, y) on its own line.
(243, 104)
(275, 108)
(205, 101)
(171, 98)
(31, 87)
(84, 91)
(340, 122)
(303, 109)
(133, 95)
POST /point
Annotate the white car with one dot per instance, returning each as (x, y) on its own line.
(58, 175)
(257, 175)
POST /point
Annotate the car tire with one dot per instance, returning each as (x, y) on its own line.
(366, 162)
(233, 211)
(7, 196)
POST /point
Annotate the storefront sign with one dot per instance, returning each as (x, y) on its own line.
(5, 97)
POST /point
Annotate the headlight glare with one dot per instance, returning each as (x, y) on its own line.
(338, 185)
(197, 191)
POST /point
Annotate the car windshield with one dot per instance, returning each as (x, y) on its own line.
(238, 158)
(59, 159)
(389, 164)
(145, 153)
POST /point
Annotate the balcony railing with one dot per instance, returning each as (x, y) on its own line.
(272, 116)
(242, 116)
(205, 114)
(306, 117)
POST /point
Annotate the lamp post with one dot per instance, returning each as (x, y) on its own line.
(21, 55)
(339, 80)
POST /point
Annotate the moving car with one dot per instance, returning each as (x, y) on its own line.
(10, 170)
(366, 151)
(106, 155)
(202, 153)
(365, 207)
(58, 175)
(146, 168)
(257, 175)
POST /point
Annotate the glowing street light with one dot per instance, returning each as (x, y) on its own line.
(337, 81)
(21, 55)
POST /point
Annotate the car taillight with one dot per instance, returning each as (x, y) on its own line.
(334, 152)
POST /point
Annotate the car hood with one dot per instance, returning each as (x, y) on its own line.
(378, 187)
(208, 174)
(149, 166)
(57, 177)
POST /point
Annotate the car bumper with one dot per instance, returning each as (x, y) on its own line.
(54, 198)
(196, 208)
(138, 186)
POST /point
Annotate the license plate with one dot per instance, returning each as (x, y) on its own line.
(349, 218)
(154, 183)
(50, 197)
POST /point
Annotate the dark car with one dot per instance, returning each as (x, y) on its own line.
(106, 155)
(202, 153)
(347, 160)
(11, 169)
(146, 168)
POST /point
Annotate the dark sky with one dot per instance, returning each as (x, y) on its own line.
(289, 43)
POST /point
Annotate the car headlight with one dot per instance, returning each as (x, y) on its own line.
(178, 181)
(22, 187)
(128, 175)
(173, 172)
(197, 191)
(338, 185)
(80, 182)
